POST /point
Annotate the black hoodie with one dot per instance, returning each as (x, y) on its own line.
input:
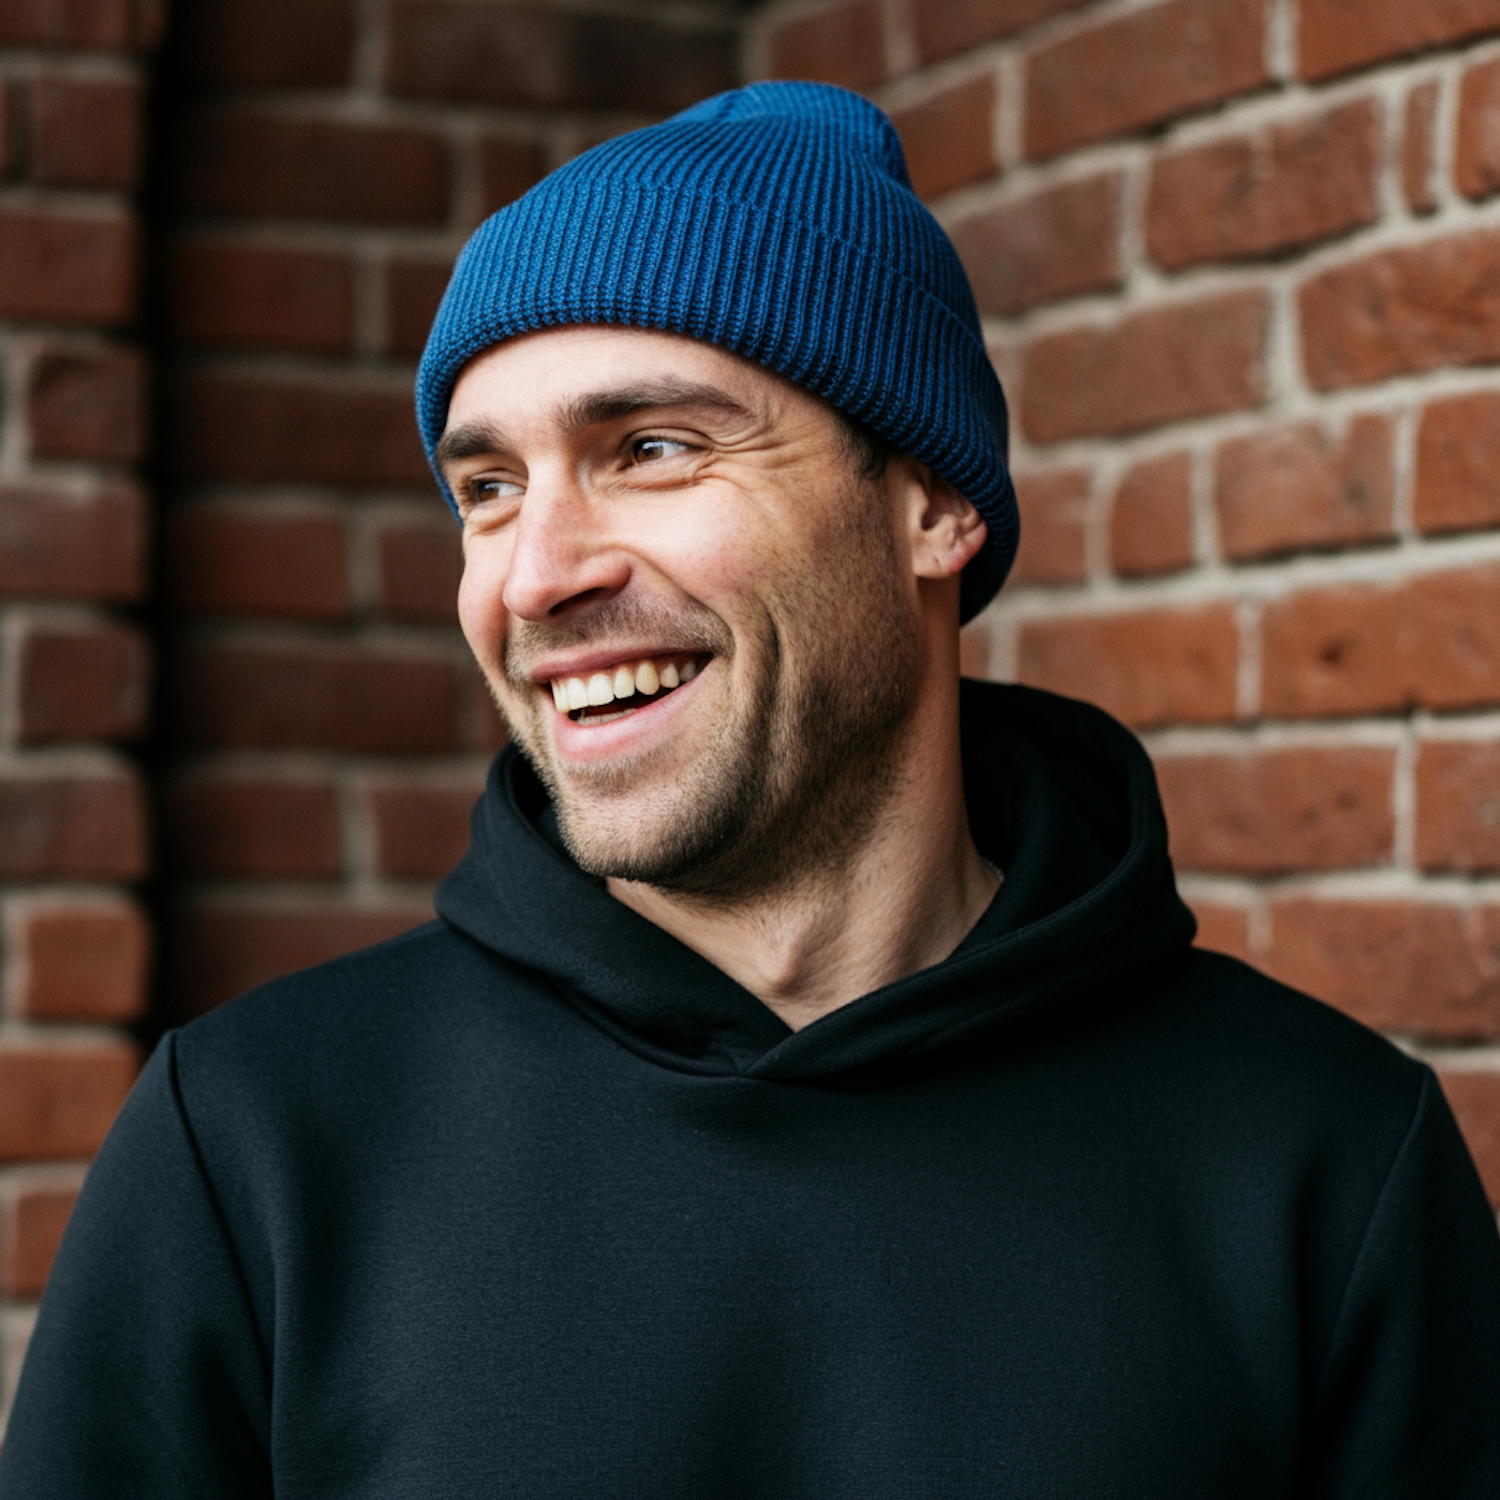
(535, 1202)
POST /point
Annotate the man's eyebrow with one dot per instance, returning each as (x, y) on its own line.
(468, 441)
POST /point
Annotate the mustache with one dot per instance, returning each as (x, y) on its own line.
(665, 626)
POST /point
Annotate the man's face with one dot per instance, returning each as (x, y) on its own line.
(642, 509)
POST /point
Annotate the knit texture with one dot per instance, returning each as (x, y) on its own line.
(776, 221)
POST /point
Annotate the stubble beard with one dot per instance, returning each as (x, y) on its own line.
(796, 774)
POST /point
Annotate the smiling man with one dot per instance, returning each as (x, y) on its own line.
(808, 1088)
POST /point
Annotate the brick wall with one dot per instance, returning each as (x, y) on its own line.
(1239, 262)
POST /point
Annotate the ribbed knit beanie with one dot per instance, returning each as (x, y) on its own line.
(776, 221)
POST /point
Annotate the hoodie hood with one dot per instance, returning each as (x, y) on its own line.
(1060, 797)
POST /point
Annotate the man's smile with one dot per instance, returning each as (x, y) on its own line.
(604, 695)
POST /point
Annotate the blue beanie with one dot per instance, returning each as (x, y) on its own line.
(776, 221)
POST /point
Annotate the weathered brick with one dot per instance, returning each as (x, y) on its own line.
(84, 132)
(72, 826)
(1474, 1098)
(1458, 806)
(1054, 517)
(1151, 520)
(1432, 641)
(1337, 36)
(333, 696)
(1271, 812)
(1223, 929)
(75, 23)
(1419, 148)
(842, 43)
(261, 296)
(241, 161)
(249, 560)
(421, 832)
(480, 726)
(57, 1101)
(1245, 196)
(221, 950)
(88, 404)
(1417, 307)
(1167, 364)
(1458, 461)
(31, 1227)
(81, 681)
(420, 566)
(263, 43)
(253, 428)
(1152, 666)
(229, 826)
(413, 289)
(1416, 968)
(949, 137)
(948, 26)
(76, 958)
(1050, 244)
(61, 544)
(68, 267)
(508, 165)
(1476, 166)
(1286, 488)
(450, 49)
(1142, 69)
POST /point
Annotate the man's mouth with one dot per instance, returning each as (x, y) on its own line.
(601, 697)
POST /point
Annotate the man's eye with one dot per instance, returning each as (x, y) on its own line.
(649, 449)
(481, 490)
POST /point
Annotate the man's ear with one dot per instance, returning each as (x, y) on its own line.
(943, 528)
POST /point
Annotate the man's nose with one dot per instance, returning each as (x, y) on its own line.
(562, 554)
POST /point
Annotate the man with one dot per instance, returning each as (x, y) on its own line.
(808, 1089)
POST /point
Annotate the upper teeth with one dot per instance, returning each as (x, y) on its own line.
(594, 691)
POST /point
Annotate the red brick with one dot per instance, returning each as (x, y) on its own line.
(1051, 244)
(58, 544)
(244, 560)
(88, 404)
(222, 950)
(57, 1101)
(1419, 148)
(1430, 642)
(413, 290)
(1151, 521)
(1271, 812)
(1282, 188)
(949, 138)
(31, 1230)
(1223, 929)
(1191, 359)
(1474, 1098)
(421, 832)
(1476, 166)
(77, 959)
(1417, 307)
(842, 43)
(480, 726)
(1458, 461)
(84, 133)
(261, 43)
(1054, 517)
(79, 826)
(239, 161)
(508, 166)
(1288, 488)
(455, 50)
(75, 23)
(1154, 666)
(1458, 806)
(1337, 36)
(420, 566)
(948, 26)
(82, 682)
(1142, 69)
(229, 826)
(235, 427)
(261, 296)
(67, 267)
(1409, 967)
(332, 696)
